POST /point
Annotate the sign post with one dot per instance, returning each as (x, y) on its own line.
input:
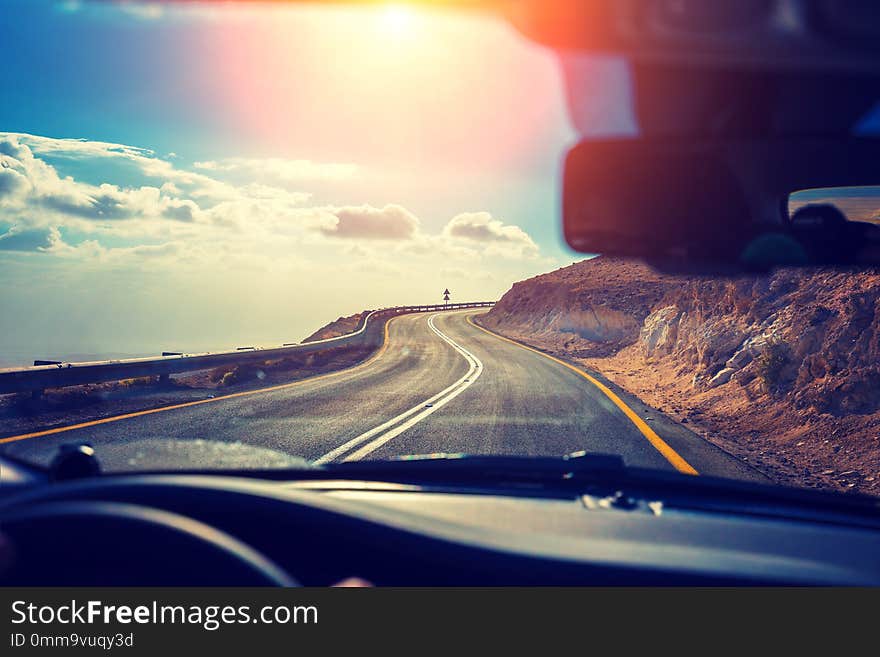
(446, 297)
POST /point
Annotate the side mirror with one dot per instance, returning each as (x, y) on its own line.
(716, 204)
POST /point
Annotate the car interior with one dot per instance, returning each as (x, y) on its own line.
(740, 106)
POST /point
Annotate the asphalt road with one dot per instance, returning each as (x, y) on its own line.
(440, 384)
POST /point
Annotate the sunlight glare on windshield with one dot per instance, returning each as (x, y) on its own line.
(375, 84)
(398, 21)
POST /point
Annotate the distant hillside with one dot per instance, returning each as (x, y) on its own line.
(783, 369)
(337, 327)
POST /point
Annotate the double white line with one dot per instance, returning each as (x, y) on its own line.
(389, 430)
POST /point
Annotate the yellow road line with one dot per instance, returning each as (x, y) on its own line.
(244, 393)
(659, 444)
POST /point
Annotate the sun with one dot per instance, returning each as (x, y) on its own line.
(397, 20)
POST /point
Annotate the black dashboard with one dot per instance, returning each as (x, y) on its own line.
(152, 529)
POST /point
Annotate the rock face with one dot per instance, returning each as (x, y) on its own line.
(594, 305)
(801, 345)
(810, 337)
(813, 335)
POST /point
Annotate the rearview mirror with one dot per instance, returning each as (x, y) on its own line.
(721, 204)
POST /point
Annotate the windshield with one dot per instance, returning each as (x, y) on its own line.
(263, 236)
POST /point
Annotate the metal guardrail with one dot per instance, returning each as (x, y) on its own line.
(53, 374)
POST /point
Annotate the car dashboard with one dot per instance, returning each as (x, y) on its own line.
(318, 532)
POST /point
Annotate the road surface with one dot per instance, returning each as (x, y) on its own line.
(439, 384)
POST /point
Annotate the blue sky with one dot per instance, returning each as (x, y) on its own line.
(195, 178)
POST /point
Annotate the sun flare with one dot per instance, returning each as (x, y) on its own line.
(397, 20)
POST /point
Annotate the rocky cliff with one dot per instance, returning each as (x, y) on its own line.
(782, 370)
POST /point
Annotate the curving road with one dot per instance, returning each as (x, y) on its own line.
(439, 384)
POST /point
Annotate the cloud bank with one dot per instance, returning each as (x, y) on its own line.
(255, 213)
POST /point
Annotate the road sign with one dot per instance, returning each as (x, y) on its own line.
(446, 296)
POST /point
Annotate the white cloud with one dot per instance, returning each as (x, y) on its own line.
(278, 171)
(33, 191)
(192, 219)
(142, 159)
(87, 250)
(391, 222)
(156, 250)
(260, 191)
(481, 227)
(19, 238)
(76, 148)
(13, 182)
